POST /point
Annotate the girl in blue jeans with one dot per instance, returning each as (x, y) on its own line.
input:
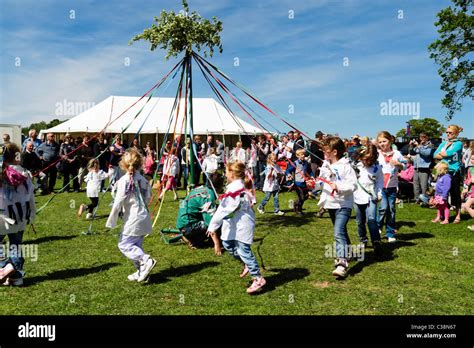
(17, 210)
(236, 216)
(337, 197)
(271, 186)
(391, 162)
(369, 189)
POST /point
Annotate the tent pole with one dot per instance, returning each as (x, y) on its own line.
(156, 139)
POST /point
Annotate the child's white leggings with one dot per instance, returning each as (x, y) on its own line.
(131, 247)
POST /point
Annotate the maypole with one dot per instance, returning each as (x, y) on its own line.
(192, 153)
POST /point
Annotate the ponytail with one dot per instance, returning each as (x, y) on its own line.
(239, 171)
(248, 184)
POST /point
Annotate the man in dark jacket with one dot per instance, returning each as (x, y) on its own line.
(48, 153)
(69, 163)
(29, 159)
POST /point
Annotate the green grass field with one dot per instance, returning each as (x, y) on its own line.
(427, 271)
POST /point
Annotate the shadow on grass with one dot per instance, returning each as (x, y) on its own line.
(370, 257)
(405, 223)
(99, 217)
(69, 273)
(388, 248)
(49, 239)
(283, 276)
(289, 219)
(413, 235)
(162, 277)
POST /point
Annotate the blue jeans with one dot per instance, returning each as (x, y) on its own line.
(387, 211)
(276, 204)
(367, 214)
(259, 179)
(15, 240)
(185, 175)
(243, 253)
(340, 217)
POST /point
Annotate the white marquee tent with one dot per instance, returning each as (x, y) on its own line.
(209, 117)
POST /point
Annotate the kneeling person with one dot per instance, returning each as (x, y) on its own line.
(195, 213)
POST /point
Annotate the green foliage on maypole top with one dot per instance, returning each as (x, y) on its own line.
(178, 32)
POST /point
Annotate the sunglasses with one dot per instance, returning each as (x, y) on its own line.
(449, 132)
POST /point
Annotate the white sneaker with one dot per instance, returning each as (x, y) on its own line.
(280, 213)
(260, 210)
(145, 269)
(89, 216)
(134, 276)
(392, 239)
(340, 271)
(341, 268)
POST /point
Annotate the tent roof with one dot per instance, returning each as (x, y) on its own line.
(209, 117)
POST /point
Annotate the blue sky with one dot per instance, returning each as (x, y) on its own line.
(289, 63)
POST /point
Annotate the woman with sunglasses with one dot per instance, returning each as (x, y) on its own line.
(450, 151)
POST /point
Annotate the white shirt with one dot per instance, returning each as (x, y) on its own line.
(136, 220)
(238, 155)
(252, 162)
(235, 215)
(389, 171)
(271, 183)
(209, 165)
(371, 179)
(171, 166)
(342, 174)
(94, 180)
(13, 196)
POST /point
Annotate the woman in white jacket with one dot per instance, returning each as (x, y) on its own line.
(131, 198)
(237, 218)
(337, 197)
(369, 191)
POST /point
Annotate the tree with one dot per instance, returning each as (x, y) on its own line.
(451, 52)
(41, 125)
(430, 126)
(180, 32)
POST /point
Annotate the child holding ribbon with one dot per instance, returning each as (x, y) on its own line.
(391, 162)
(132, 196)
(237, 218)
(337, 196)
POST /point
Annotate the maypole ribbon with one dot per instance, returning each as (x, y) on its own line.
(222, 85)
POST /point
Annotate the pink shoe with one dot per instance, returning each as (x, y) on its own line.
(445, 222)
(5, 271)
(257, 285)
(244, 272)
(436, 220)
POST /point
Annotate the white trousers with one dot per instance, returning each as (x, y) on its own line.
(131, 247)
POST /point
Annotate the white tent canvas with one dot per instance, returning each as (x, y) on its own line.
(209, 117)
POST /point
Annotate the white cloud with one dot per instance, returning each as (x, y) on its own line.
(31, 94)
